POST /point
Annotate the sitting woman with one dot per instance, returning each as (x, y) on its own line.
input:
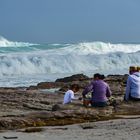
(100, 91)
(133, 85)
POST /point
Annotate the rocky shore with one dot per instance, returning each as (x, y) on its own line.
(38, 106)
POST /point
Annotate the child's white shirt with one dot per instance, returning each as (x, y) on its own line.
(69, 95)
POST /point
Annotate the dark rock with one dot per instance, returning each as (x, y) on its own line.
(76, 77)
(56, 107)
(33, 129)
(10, 137)
(32, 88)
(46, 85)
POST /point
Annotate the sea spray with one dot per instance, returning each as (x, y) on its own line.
(19, 60)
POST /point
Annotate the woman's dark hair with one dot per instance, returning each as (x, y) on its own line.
(102, 77)
(96, 75)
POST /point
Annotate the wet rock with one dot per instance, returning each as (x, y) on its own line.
(33, 129)
(56, 107)
(46, 85)
(76, 77)
(10, 137)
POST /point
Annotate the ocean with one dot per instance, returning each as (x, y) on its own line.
(25, 64)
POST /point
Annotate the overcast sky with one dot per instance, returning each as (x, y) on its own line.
(70, 21)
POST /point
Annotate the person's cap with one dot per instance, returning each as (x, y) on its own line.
(138, 68)
(133, 69)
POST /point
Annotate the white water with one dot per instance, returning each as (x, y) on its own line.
(102, 48)
(29, 63)
(6, 43)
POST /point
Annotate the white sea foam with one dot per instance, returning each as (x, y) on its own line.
(6, 43)
(100, 48)
(44, 62)
(48, 62)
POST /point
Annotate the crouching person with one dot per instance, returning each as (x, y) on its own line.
(69, 95)
(100, 91)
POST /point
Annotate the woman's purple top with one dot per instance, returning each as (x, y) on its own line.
(100, 90)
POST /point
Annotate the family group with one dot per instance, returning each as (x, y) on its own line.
(100, 90)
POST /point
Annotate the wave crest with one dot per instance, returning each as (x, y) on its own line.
(100, 48)
(6, 43)
(43, 63)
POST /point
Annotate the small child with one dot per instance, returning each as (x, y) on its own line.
(69, 95)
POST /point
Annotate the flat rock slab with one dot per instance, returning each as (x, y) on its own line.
(22, 107)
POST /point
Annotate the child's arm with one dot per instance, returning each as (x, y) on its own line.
(73, 97)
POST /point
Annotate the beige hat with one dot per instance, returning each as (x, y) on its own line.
(138, 68)
(133, 69)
